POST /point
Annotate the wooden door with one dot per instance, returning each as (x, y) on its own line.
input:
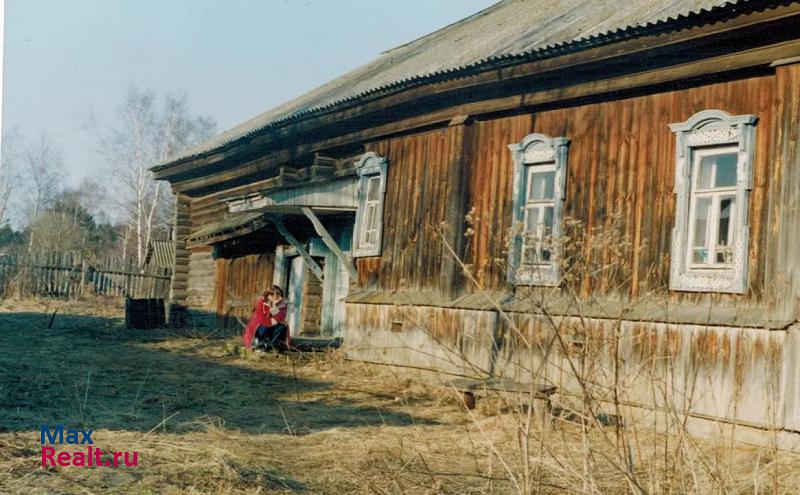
(312, 302)
(304, 298)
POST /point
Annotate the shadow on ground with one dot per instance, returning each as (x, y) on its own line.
(89, 371)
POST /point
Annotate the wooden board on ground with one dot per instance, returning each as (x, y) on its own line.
(469, 387)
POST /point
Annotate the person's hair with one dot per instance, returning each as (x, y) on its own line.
(273, 291)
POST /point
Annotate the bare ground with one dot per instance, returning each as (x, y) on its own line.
(207, 419)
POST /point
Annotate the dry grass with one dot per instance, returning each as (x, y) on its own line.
(206, 419)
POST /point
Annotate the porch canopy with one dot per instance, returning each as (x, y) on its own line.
(324, 196)
(227, 228)
(309, 202)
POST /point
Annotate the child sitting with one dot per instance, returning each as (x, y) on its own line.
(267, 328)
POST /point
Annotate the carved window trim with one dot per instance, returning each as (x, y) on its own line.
(704, 131)
(369, 166)
(534, 150)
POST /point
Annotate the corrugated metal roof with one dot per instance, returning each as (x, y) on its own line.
(508, 32)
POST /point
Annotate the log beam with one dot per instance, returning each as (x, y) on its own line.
(312, 265)
(329, 242)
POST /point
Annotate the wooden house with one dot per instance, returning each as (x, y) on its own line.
(630, 165)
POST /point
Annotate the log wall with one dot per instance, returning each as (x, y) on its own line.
(621, 169)
(782, 267)
(412, 252)
(622, 165)
(201, 269)
(180, 273)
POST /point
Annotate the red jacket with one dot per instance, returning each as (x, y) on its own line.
(268, 316)
(274, 314)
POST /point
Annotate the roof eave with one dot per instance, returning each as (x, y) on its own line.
(721, 13)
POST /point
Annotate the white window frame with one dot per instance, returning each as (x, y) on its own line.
(539, 153)
(537, 207)
(708, 133)
(369, 166)
(374, 181)
(715, 194)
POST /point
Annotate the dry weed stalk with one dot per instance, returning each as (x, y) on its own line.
(601, 400)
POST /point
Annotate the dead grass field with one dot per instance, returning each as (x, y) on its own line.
(207, 420)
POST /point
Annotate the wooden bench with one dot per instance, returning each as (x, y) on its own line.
(469, 387)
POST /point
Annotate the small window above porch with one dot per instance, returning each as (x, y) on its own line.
(368, 232)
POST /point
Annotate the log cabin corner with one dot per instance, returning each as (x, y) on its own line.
(416, 206)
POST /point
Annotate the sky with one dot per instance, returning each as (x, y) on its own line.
(68, 59)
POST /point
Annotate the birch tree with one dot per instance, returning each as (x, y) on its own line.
(41, 176)
(146, 131)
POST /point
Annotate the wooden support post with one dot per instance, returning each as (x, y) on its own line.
(279, 275)
(312, 265)
(329, 242)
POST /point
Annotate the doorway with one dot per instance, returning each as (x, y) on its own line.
(304, 293)
(316, 308)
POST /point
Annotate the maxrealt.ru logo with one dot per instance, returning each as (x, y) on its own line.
(91, 457)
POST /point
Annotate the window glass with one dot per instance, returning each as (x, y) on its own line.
(705, 172)
(538, 228)
(725, 231)
(373, 188)
(531, 220)
(726, 169)
(370, 233)
(541, 185)
(547, 230)
(713, 210)
(700, 246)
(547, 220)
(529, 255)
(717, 170)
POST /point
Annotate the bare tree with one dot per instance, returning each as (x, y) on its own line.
(146, 131)
(9, 170)
(91, 195)
(42, 176)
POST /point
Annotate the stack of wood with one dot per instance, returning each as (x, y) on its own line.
(323, 167)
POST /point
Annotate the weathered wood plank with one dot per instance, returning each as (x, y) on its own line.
(346, 261)
(309, 261)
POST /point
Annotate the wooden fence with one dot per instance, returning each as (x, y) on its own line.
(70, 275)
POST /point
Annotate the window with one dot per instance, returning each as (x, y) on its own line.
(371, 170)
(539, 181)
(714, 157)
(369, 231)
(538, 215)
